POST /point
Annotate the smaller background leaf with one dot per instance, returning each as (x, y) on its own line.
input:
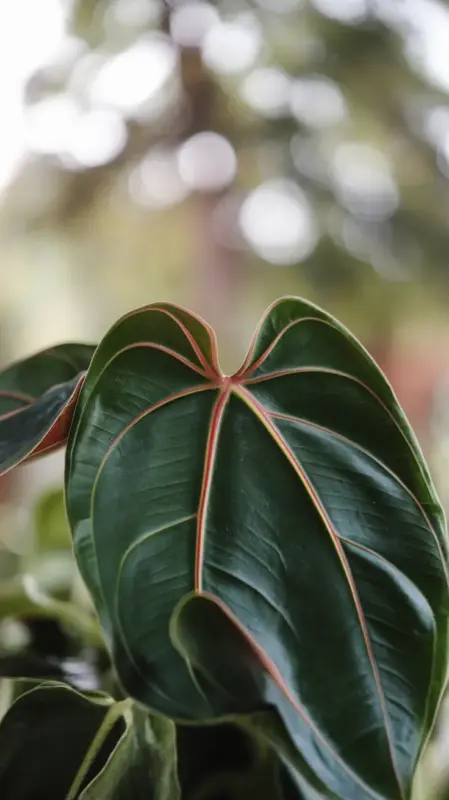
(143, 764)
(37, 399)
(44, 737)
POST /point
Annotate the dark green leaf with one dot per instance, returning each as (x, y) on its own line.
(143, 763)
(37, 398)
(207, 750)
(295, 497)
(227, 760)
(44, 738)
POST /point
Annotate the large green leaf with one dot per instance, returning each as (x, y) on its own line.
(37, 398)
(295, 497)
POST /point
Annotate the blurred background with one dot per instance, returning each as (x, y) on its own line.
(220, 155)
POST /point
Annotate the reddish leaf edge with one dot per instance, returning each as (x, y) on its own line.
(56, 436)
(212, 369)
(27, 399)
(342, 329)
(209, 371)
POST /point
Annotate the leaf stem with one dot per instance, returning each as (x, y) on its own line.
(115, 712)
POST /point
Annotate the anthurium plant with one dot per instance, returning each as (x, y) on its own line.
(267, 561)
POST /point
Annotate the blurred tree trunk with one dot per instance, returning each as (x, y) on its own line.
(217, 273)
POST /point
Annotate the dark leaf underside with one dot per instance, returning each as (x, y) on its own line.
(37, 399)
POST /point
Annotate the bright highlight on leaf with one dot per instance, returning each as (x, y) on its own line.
(293, 498)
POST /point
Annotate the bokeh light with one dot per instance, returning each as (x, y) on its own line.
(190, 22)
(317, 102)
(207, 162)
(156, 182)
(130, 80)
(231, 47)
(276, 219)
(363, 180)
(267, 91)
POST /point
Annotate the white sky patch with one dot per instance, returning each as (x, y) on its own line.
(83, 139)
(128, 81)
(424, 26)
(31, 34)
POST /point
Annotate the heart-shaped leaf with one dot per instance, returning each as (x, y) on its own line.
(294, 496)
(37, 398)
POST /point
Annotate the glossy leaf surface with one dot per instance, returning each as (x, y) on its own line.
(292, 495)
(37, 398)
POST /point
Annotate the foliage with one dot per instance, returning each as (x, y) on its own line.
(267, 558)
